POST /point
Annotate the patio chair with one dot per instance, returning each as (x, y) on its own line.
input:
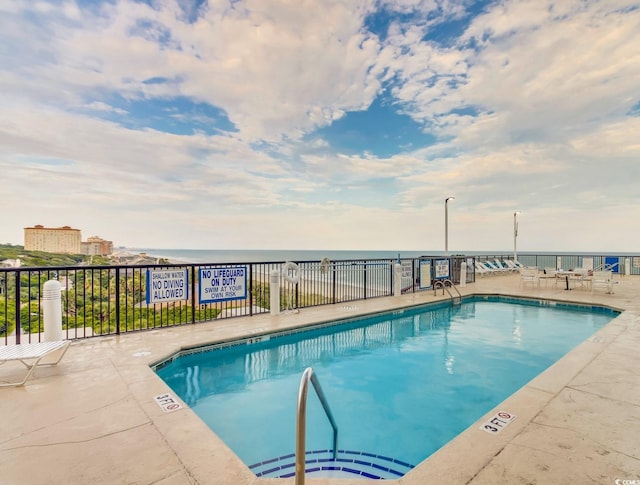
(529, 276)
(549, 274)
(602, 279)
(31, 352)
(582, 277)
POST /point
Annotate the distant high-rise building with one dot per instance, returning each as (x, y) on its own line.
(53, 239)
(95, 246)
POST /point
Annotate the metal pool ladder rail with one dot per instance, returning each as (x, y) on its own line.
(301, 421)
(445, 285)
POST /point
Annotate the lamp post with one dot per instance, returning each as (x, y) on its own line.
(446, 225)
(515, 235)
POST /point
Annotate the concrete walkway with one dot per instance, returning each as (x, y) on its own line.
(93, 418)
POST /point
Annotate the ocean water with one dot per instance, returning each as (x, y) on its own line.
(196, 256)
(256, 255)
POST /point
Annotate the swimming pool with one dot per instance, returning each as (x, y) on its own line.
(400, 384)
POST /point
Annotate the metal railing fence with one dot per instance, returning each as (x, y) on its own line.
(619, 264)
(110, 300)
(106, 300)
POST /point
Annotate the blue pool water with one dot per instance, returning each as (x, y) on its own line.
(400, 384)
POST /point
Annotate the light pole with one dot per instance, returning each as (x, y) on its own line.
(515, 235)
(446, 225)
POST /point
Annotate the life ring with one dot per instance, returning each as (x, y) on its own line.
(291, 272)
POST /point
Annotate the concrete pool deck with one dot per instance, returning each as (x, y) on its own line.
(93, 419)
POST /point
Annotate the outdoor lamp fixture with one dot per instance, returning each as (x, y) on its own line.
(515, 235)
(446, 225)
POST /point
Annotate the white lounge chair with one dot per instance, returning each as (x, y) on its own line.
(504, 266)
(482, 270)
(493, 267)
(511, 264)
(31, 352)
(515, 264)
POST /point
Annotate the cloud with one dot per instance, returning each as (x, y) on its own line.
(619, 137)
(522, 104)
(530, 70)
(313, 59)
(100, 106)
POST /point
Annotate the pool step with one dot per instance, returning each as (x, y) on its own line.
(348, 464)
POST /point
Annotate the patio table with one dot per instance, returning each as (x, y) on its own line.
(565, 274)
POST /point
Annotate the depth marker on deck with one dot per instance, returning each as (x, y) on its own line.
(498, 422)
(167, 402)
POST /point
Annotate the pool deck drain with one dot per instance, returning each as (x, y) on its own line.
(94, 418)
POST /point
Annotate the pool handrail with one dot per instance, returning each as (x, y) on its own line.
(301, 421)
(445, 285)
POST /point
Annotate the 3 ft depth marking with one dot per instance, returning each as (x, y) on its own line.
(498, 422)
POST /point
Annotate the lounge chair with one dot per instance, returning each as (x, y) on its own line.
(503, 265)
(482, 270)
(512, 263)
(493, 267)
(31, 352)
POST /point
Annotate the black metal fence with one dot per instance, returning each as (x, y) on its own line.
(617, 264)
(105, 300)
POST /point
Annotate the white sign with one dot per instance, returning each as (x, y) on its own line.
(425, 273)
(167, 402)
(406, 269)
(165, 285)
(222, 284)
(442, 268)
(498, 422)
(407, 275)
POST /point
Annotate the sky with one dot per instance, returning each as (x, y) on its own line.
(323, 124)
